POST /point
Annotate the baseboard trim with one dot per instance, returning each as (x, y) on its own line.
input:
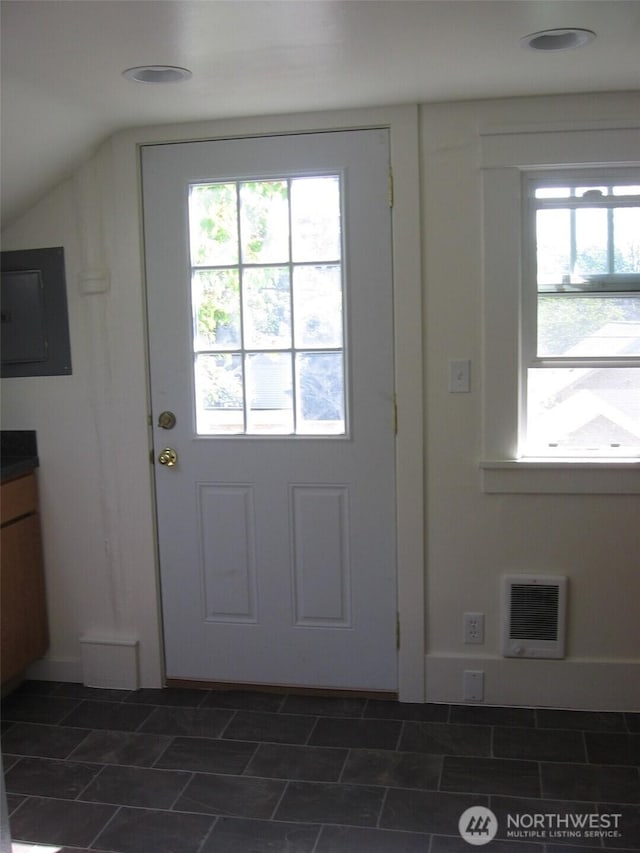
(583, 685)
(56, 669)
(110, 662)
(281, 689)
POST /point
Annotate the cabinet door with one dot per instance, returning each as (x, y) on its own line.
(24, 616)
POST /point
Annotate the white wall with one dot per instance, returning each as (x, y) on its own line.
(95, 478)
(473, 538)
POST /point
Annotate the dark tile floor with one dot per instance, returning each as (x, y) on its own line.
(186, 771)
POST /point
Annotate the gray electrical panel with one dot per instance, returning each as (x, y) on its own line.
(34, 333)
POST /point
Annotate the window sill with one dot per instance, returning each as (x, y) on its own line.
(561, 477)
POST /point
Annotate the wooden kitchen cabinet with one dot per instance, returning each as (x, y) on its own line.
(24, 628)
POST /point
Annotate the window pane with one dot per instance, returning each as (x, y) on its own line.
(588, 326)
(626, 240)
(269, 393)
(591, 241)
(267, 308)
(315, 218)
(216, 309)
(320, 388)
(219, 394)
(553, 237)
(317, 301)
(631, 189)
(264, 219)
(590, 411)
(213, 225)
(552, 192)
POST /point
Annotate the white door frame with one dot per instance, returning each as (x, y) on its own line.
(403, 123)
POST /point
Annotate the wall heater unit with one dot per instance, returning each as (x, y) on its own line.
(534, 621)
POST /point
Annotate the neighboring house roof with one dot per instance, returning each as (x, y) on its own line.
(583, 405)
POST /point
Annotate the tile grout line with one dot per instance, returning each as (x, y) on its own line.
(540, 783)
(221, 735)
(585, 748)
(318, 837)
(440, 773)
(383, 802)
(160, 755)
(311, 732)
(344, 766)
(205, 696)
(207, 835)
(118, 809)
(280, 799)
(191, 774)
(69, 756)
(78, 797)
(150, 713)
(78, 704)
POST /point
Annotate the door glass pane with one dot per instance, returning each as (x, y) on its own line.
(317, 300)
(315, 218)
(264, 221)
(213, 224)
(219, 393)
(320, 383)
(266, 303)
(267, 308)
(269, 393)
(216, 306)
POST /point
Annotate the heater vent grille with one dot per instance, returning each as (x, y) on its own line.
(534, 616)
(534, 612)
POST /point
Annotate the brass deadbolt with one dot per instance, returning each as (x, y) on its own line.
(166, 420)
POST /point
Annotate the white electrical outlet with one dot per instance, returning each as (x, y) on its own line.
(473, 685)
(474, 627)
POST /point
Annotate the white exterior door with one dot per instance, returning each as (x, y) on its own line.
(268, 264)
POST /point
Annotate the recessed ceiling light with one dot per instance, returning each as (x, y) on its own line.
(157, 74)
(560, 39)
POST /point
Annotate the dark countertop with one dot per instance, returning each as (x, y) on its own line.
(18, 452)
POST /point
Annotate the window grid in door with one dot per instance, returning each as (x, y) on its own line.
(267, 305)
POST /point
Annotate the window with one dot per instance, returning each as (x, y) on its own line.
(580, 336)
(561, 355)
(267, 306)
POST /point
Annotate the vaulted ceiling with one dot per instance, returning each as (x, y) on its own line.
(63, 90)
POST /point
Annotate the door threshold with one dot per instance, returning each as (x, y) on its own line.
(281, 689)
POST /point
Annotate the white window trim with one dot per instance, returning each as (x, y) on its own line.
(504, 158)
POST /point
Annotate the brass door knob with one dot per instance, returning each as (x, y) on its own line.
(168, 457)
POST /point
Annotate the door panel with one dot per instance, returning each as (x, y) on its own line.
(276, 541)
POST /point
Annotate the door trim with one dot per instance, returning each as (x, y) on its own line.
(403, 124)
